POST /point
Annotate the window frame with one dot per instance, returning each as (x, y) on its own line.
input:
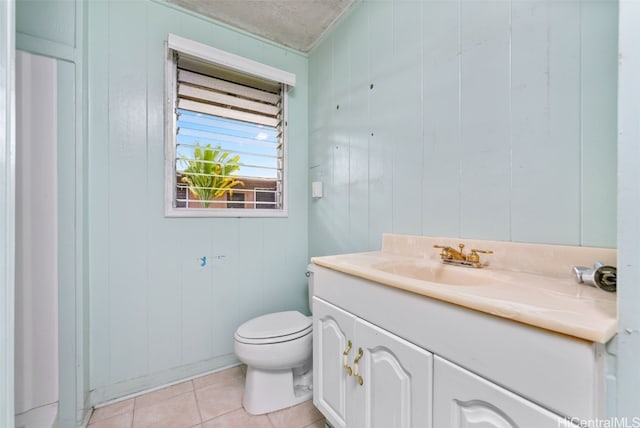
(237, 63)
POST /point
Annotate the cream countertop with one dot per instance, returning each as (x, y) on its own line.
(529, 283)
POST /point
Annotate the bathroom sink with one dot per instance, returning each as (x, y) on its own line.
(438, 273)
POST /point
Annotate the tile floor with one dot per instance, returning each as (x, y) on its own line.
(212, 401)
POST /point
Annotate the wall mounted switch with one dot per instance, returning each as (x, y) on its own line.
(316, 189)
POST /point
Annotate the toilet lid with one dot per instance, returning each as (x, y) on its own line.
(277, 326)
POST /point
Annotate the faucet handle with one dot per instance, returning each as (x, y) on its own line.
(448, 247)
(445, 253)
(481, 251)
(474, 257)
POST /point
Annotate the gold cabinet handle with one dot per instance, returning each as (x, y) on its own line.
(345, 361)
(355, 367)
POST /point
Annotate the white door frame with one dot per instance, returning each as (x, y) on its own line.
(7, 205)
(628, 340)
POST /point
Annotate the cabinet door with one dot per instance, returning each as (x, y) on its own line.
(465, 400)
(333, 389)
(397, 381)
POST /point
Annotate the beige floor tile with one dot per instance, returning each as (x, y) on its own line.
(180, 411)
(296, 417)
(163, 394)
(122, 420)
(233, 377)
(238, 419)
(317, 424)
(216, 400)
(112, 410)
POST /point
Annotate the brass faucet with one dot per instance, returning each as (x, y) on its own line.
(458, 257)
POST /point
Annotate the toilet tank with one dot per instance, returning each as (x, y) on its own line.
(309, 274)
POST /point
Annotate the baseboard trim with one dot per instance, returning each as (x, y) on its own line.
(109, 394)
(41, 417)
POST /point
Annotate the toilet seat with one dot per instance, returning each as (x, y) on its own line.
(274, 328)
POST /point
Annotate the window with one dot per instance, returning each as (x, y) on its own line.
(234, 198)
(226, 145)
(265, 198)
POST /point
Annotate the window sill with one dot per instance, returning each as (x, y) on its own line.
(223, 213)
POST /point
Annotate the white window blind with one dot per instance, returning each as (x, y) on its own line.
(229, 151)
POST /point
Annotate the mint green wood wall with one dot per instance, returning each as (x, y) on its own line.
(156, 314)
(490, 120)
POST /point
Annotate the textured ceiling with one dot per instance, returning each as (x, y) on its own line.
(294, 23)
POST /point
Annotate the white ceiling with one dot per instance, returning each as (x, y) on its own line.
(297, 24)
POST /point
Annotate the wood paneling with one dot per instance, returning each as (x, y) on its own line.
(157, 312)
(487, 119)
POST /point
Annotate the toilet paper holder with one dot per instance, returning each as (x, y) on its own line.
(600, 276)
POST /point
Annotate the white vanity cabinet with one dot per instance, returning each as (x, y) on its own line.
(465, 400)
(427, 363)
(333, 388)
(367, 377)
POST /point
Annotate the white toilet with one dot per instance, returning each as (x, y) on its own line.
(277, 350)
